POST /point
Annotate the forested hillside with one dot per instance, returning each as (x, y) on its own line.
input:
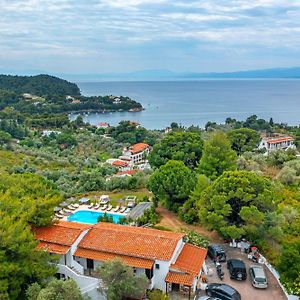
(45, 86)
(51, 95)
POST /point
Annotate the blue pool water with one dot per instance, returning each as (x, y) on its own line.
(91, 217)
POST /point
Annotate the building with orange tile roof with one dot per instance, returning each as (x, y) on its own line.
(60, 239)
(276, 141)
(137, 152)
(125, 173)
(186, 270)
(162, 256)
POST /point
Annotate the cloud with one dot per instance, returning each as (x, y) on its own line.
(140, 33)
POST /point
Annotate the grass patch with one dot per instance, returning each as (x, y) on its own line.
(118, 195)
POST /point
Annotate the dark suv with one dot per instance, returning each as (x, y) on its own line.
(237, 269)
(222, 291)
(216, 252)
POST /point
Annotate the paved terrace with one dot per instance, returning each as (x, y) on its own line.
(139, 210)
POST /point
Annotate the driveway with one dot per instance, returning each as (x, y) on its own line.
(247, 291)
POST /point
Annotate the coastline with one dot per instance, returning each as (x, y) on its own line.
(103, 111)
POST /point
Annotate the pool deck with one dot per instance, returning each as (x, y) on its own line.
(85, 207)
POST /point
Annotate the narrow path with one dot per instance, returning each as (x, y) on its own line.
(171, 221)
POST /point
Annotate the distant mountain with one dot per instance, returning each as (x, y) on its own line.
(158, 74)
(265, 73)
(144, 75)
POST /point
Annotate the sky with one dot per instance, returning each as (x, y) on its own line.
(105, 36)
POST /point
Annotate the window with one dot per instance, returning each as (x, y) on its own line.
(157, 266)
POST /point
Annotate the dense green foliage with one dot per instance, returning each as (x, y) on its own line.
(157, 295)
(48, 94)
(196, 239)
(183, 146)
(41, 85)
(24, 199)
(55, 290)
(172, 183)
(129, 133)
(243, 139)
(189, 211)
(120, 282)
(236, 199)
(217, 156)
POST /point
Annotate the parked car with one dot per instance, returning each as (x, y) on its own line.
(237, 269)
(216, 252)
(258, 277)
(222, 292)
(204, 298)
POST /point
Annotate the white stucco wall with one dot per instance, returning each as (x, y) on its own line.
(159, 275)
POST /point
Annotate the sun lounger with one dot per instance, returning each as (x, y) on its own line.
(96, 206)
(103, 207)
(123, 208)
(71, 207)
(91, 205)
(76, 205)
(59, 216)
(109, 207)
(116, 208)
(66, 212)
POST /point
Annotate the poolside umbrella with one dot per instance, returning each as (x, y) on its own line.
(84, 200)
(56, 209)
(64, 204)
(70, 200)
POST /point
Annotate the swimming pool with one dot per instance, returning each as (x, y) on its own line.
(91, 217)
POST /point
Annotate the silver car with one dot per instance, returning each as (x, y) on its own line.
(258, 277)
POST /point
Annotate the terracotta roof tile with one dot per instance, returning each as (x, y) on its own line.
(105, 256)
(129, 172)
(53, 248)
(75, 225)
(180, 278)
(131, 241)
(120, 163)
(62, 233)
(279, 140)
(136, 148)
(190, 259)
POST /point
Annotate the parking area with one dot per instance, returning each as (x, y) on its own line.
(247, 291)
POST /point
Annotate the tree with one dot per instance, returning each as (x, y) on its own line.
(184, 146)
(289, 266)
(172, 183)
(243, 139)
(189, 212)
(4, 138)
(24, 199)
(288, 175)
(120, 282)
(29, 195)
(20, 262)
(55, 290)
(236, 198)
(157, 295)
(217, 156)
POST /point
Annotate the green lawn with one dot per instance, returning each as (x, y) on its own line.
(115, 196)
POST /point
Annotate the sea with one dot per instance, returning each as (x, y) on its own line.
(197, 102)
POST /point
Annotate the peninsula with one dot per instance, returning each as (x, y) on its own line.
(48, 94)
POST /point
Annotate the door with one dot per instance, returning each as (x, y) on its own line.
(90, 263)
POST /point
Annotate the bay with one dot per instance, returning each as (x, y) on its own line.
(197, 102)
